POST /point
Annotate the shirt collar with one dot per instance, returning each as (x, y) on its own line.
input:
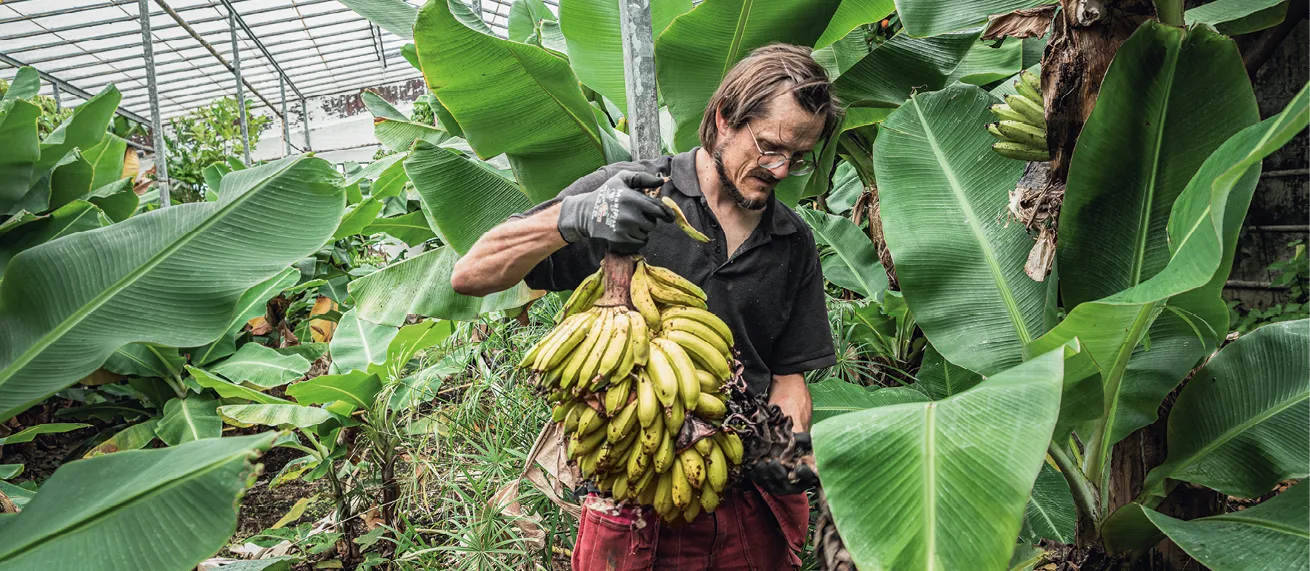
(683, 174)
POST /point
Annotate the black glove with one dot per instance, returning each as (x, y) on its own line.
(616, 212)
(774, 477)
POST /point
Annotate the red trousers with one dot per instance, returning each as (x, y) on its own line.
(750, 531)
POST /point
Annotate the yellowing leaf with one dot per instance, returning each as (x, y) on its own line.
(131, 164)
(322, 329)
(293, 514)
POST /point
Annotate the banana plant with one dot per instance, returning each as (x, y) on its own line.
(1160, 284)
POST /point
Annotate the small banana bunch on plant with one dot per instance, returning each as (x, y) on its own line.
(636, 370)
(1021, 125)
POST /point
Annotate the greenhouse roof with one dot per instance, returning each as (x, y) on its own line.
(320, 46)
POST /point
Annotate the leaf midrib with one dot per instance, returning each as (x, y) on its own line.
(737, 34)
(1267, 524)
(930, 485)
(1148, 199)
(1002, 287)
(1231, 433)
(132, 277)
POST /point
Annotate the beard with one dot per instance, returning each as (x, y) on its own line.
(726, 182)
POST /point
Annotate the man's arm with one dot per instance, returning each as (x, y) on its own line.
(506, 253)
(792, 395)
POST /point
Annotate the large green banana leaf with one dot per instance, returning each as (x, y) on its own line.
(1239, 425)
(1169, 99)
(395, 16)
(591, 30)
(942, 191)
(1222, 12)
(850, 15)
(83, 130)
(249, 306)
(356, 387)
(834, 396)
(523, 18)
(145, 360)
(260, 367)
(31, 432)
(939, 378)
(23, 150)
(172, 276)
(274, 415)
(134, 437)
(191, 418)
(421, 285)
(164, 510)
(230, 390)
(25, 85)
(699, 47)
(1272, 535)
(849, 258)
(986, 63)
(510, 98)
(950, 478)
(1202, 231)
(358, 342)
(1050, 513)
(76, 216)
(933, 17)
(901, 66)
(106, 160)
(411, 228)
(461, 198)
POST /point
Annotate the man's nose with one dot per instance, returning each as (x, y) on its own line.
(780, 172)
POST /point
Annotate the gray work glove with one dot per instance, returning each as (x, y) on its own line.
(776, 478)
(617, 212)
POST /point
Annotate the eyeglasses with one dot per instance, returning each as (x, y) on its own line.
(771, 160)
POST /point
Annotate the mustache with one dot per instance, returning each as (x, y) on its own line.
(766, 176)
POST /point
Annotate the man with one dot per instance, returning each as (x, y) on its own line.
(761, 273)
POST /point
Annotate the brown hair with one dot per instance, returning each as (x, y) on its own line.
(767, 72)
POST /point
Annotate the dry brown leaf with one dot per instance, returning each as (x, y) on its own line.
(529, 524)
(259, 326)
(372, 518)
(131, 164)
(1042, 256)
(322, 329)
(1026, 23)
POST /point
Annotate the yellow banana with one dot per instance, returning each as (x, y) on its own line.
(708, 384)
(582, 445)
(670, 278)
(639, 485)
(684, 370)
(648, 405)
(603, 458)
(589, 420)
(662, 374)
(626, 444)
(560, 411)
(716, 467)
(619, 426)
(672, 296)
(561, 340)
(731, 445)
(664, 493)
(698, 329)
(650, 436)
(673, 417)
(681, 220)
(618, 344)
(640, 339)
(580, 354)
(624, 370)
(571, 418)
(703, 446)
(589, 461)
(702, 315)
(584, 295)
(646, 492)
(693, 466)
(638, 461)
(620, 489)
(616, 396)
(710, 407)
(663, 457)
(592, 364)
(681, 487)
(702, 351)
(709, 499)
(639, 292)
(692, 510)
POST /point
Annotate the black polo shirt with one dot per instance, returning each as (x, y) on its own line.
(770, 293)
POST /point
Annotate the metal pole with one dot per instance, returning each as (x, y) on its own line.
(639, 71)
(59, 104)
(156, 121)
(304, 118)
(241, 96)
(286, 125)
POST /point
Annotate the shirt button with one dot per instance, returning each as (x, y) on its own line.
(716, 249)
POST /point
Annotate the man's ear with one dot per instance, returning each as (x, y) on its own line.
(720, 124)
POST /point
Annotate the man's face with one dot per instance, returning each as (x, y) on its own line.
(783, 128)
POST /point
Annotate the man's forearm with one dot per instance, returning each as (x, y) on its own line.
(792, 395)
(506, 253)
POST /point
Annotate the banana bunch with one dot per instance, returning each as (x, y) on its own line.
(639, 386)
(1021, 125)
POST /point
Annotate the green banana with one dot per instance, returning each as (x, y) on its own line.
(670, 278)
(616, 396)
(584, 295)
(1029, 89)
(1020, 151)
(681, 487)
(702, 315)
(1032, 112)
(693, 466)
(681, 220)
(698, 329)
(648, 405)
(710, 407)
(716, 465)
(1023, 133)
(1005, 113)
(709, 499)
(703, 352)
(639, 292)
(663, 375)
(672, 296)
(621, 425)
